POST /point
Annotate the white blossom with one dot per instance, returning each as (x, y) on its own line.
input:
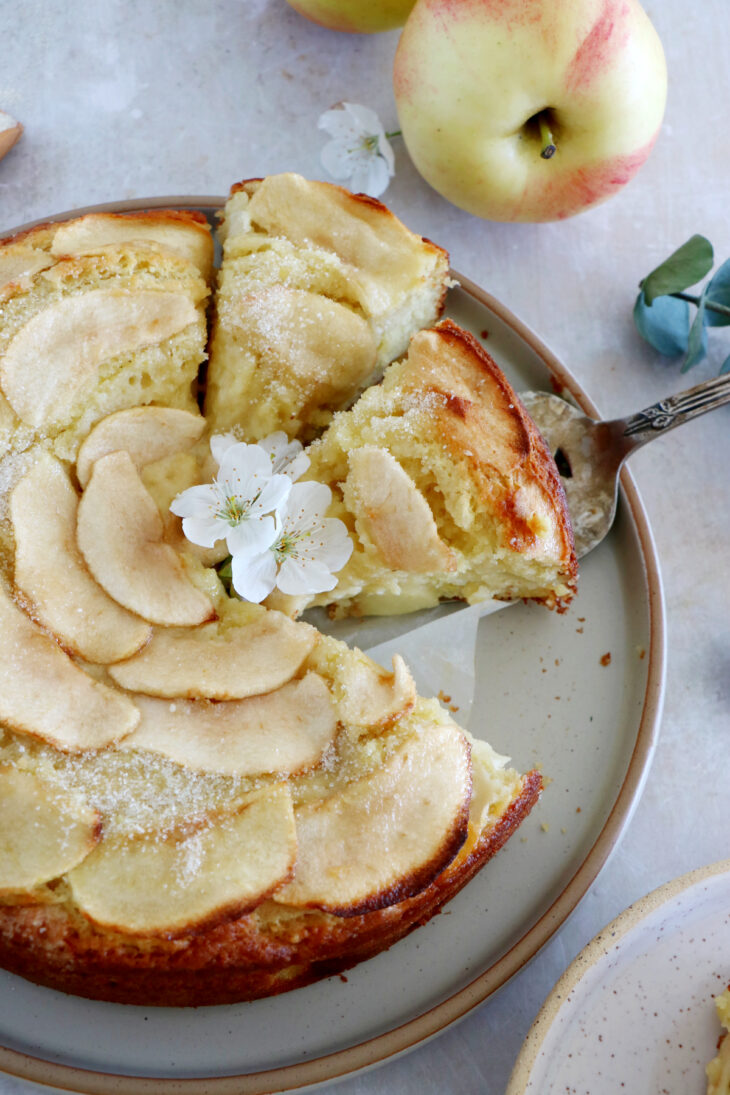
(287, 457)
(359, 150)
(239, 505)
(307, 551)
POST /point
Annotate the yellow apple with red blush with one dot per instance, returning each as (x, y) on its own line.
(529, 110)
(357, 16)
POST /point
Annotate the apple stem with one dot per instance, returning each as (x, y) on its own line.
(546, 137)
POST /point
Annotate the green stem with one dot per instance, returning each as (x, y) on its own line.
(722, 309)
(546, 138)
(394, 133)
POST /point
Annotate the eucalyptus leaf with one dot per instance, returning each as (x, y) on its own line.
(718, 292)
(664, 324)
(684, 267)
(725, 367)
(697, 347)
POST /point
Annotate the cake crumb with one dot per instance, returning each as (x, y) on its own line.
(446, 701)
(606, 659)
(545, 827)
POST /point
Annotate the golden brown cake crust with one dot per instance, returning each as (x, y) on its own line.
(245, 958)
(467, 424)
(185, 217)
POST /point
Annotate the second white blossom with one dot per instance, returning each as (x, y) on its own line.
(359, 151)
(308, 550)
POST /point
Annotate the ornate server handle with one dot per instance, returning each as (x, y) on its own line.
(676, 409)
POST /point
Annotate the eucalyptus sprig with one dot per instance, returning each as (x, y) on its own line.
(662, 309)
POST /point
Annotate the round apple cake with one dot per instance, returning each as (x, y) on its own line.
(205, 799)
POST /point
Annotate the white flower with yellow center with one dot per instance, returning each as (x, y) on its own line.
(359, 151)
(239, 505)
(307, 551)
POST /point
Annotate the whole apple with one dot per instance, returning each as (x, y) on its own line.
(529, 110)
(360, 16)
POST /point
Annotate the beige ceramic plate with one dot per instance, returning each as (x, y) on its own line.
(634, 1011)
(545, 696)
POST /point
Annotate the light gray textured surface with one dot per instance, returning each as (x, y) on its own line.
(130, 99)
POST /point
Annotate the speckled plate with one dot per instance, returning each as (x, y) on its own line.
(578, 694)
(634, 1012)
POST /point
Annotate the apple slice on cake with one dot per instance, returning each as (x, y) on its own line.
(178, 882)
(284, 731)
(247, 652)
(50, 572)
(121, 536)
(44, 832)
(386, 836)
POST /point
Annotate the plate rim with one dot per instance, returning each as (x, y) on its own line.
(592, 953)
(430, 1023)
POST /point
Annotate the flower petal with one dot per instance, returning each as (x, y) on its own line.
(386, 151)
(197, 501)
(371, 178)
(365, 119)
(205, 531)
(252, 536)
(339, 124)
(220, 443)
(304, 576)
(287, 457)
(296, 466)
(306, 505)
(243, 468)
(340, 157)
(273, 495)
(253, 577)
(335, 546)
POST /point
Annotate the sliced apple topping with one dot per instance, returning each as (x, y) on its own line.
(121, 536)
(394, 514)
(43, 833)
(284, 731)
(219, 663)
(146, 433)
(192, 241)
(43, 693)
(386, 836)
(373, 697)
(17, 262)
(58, 351)
(170, 884)
(51, 574)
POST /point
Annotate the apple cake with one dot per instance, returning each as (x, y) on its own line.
(202, 800)
(318, 291)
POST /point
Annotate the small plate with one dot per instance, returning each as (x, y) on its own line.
(634, 1011)
(578, 695)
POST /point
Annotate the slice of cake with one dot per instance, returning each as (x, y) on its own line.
(183, 233)
(446, 487)
(202, 800)
(318, 291)
(111, 327)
